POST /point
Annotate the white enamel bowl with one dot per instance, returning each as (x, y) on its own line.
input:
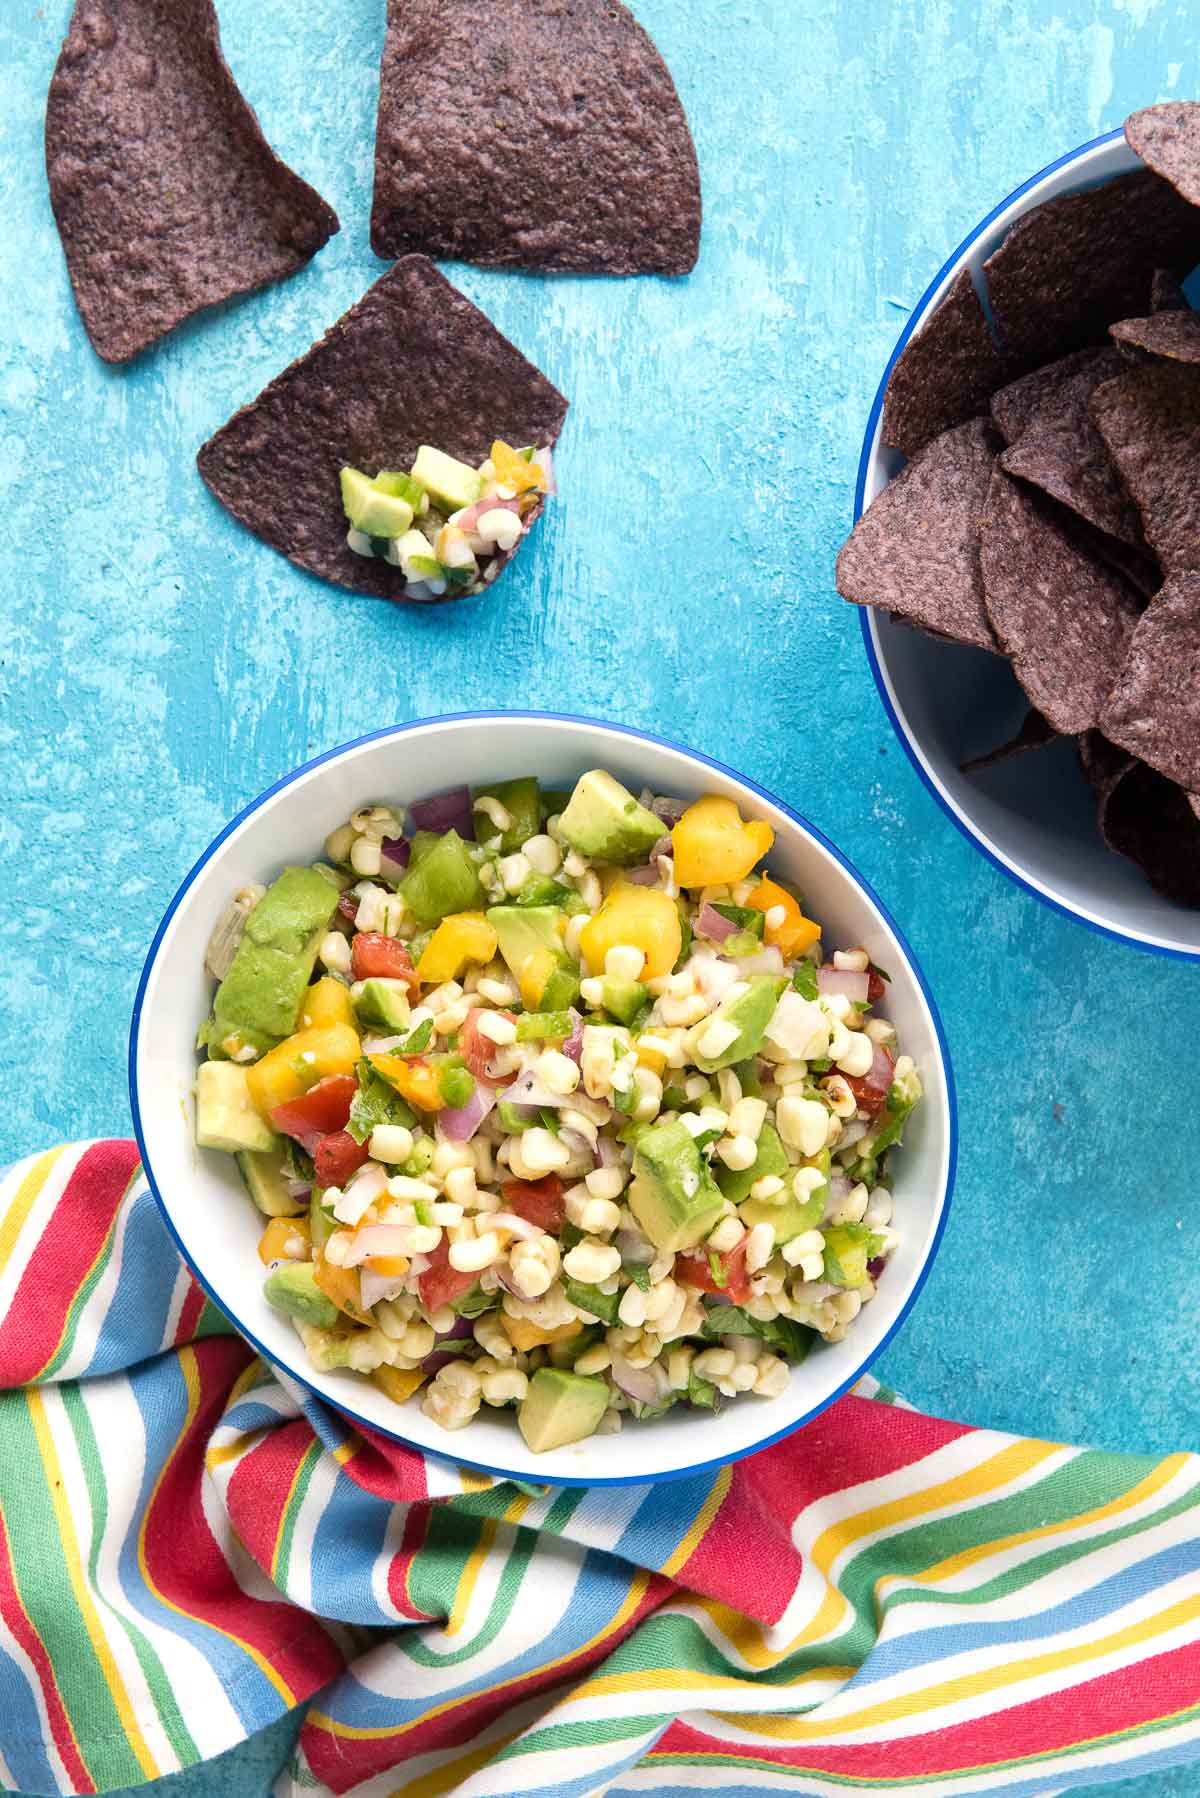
(1033, 816)
(217, 1228)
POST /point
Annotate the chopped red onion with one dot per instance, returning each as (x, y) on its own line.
(528, 1090)
(576, 1141)
(377, 1239)
(634, 1248)
(393, 859)
(640, 1383)
(573, 1047)
(669, 810)
(851, 1133)
(460, 1330)
(469, 520)
(841, 980)
(298, 1189)
(711, 924)
(446, 811)
(439, 1358)
(372, 1287)
(876, 1266)
(461, 1124)
(644, 877)
(348, 906)
(516, 1226)
(607, 1152)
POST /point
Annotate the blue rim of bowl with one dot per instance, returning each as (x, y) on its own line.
(960, 823)
(642, 736)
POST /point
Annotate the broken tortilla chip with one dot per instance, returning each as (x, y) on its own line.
(1073, 264)
(1173, 335)
(1034, 733)
(1151, 820)
(1149, 416)
(1063, 617)
(915, 550)
(414, 362)
(1167, 138)
(167, 196)
(545, 137)
(1153, 710)
(944, 374)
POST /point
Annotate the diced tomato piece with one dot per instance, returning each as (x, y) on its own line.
(735, 1282)
(441, 1284)
(539, 1202)
(871, 1089)
(477, 1050)
(376, 957)
(876, 987)
(336, 1157)
(324, 1108)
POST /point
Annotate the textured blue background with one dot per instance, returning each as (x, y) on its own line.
(159, 667)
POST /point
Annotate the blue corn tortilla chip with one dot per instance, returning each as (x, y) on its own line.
(1153, 710)
(1149, 418)
(1173, 335)
(1152, 821)
(945, 374)
(1034, 733)
(167, 196)
(1071, 266)
(1167, 138)
(413, 362)
(543, 137)
(915, 550)
(1059, 449)
(1061, 615)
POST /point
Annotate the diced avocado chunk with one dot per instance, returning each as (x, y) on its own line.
(559, 1408)
(226, 1117)
(605, 823)
(293, 1288)
(444, 880)
(455, 484)
(259, 999)
(562, 989)
(771, 1159)
(523, 930)
(749, 1013)
(848, 1248)
(624, 999)
(522, 801)
(543, 1026)
(673, 1195)
(381, 1001)
(392, 480)
(267, 1184)
(369, 508)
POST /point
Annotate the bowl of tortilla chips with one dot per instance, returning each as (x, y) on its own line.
(1026, 550)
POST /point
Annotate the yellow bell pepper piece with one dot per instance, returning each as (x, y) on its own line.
(341, 1285)
(399, 1382)
(512, 470)
(536, 970)
(714, 846)
(464, 936)
(326, 1003)
(415, 1081)
(642, 917)
(525, 1335)
(650, 1057)
(299, 1062)
(796, 934)
(273, 1244)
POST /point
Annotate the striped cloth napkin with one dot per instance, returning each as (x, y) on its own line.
(190, 1544)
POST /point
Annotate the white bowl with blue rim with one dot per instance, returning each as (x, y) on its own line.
(1033, 815)
(217, 1228)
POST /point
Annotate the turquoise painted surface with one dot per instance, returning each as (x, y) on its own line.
(159, 667)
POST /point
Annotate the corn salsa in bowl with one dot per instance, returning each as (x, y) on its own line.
(555, 1102)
